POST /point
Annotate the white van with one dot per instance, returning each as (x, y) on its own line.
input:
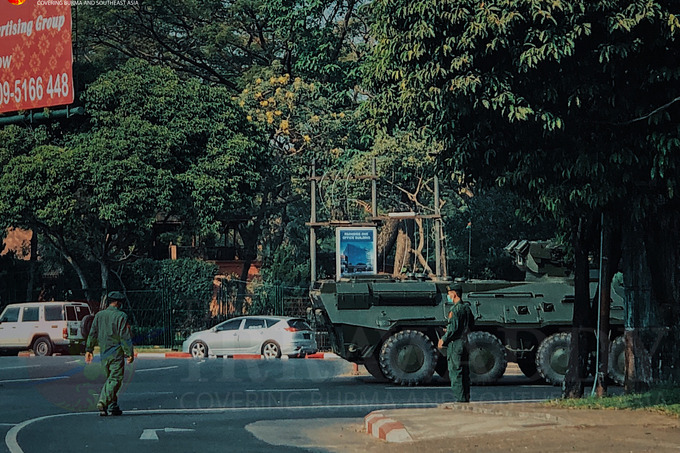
(45, 327)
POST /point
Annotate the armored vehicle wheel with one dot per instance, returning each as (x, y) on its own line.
(552, 358)
(488, 358)
(408, 358)
(373, 367)
(617, 360)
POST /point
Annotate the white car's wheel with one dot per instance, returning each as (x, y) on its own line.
(198, 350)
(271, 350)
(42, 346)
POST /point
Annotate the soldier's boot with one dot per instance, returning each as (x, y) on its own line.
(115, 409)
(102, 410)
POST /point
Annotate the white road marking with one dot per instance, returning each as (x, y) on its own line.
(54, 378)
(156, 369)
(20, 367)
(417, 388)
(13, 433)
(283, 390)
(148, 393)
(152, 434)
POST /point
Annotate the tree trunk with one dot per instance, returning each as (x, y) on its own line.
(60, 245)
(418, 252)
(387, 237)
(33, 260)
(402, 254)
(611, 254)
(639, 315)
(663, 257)
(104, 275)
(582, 325)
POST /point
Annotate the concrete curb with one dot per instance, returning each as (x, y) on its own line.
(478, 408)
(186, 355)
(381, 427)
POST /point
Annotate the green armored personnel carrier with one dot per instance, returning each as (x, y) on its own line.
(392, 326)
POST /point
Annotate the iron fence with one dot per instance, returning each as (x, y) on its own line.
(167, 316)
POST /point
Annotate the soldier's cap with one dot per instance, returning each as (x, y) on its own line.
(457, 287)
(115, 295)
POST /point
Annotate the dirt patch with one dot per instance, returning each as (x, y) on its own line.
(561, 430)
(579, 430)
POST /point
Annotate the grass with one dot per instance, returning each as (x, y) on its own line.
(665, 400)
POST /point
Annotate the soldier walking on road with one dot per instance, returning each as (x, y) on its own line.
(110, 328)
(461, 320)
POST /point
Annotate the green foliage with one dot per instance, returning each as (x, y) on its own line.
(538, 96)
(220, 41)
(154, 143)
(660, 399)
(233, 44)
(494, 220)
(289, 266)
(185, 279)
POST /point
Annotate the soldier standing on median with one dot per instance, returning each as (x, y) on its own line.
(461, 320)
(111, 330)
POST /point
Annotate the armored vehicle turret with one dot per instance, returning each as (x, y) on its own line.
(392, 326)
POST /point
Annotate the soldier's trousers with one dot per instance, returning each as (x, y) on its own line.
(459, 370)
(115, 369)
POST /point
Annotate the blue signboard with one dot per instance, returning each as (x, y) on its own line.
(355, 251)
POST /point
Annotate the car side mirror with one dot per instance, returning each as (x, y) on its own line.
(214, 329)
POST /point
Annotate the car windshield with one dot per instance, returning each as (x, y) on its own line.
(299, 324)
(10, 315)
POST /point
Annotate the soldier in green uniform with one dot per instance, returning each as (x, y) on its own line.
(110, 328)
(461, 320)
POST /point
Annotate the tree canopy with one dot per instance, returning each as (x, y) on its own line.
(573, 105)
(154, 144)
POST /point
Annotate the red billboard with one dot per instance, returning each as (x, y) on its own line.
(35, 54)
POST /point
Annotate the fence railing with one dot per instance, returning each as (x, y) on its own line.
(167, 316)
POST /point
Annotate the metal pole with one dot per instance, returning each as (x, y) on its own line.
(312, 229)
(437, 230)
(374, 191)
(469, 226)
(598, 332)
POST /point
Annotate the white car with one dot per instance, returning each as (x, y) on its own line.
(270, 336)
(45, 327)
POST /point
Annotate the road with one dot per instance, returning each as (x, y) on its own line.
(185, 405)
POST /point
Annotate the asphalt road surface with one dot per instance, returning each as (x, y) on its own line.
(47, 404)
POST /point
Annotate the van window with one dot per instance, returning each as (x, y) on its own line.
(70, 313)
(31, 314)
(11, 315)
(81, 312)
(54, 313)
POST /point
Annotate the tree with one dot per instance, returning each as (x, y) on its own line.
(154, 144)
(571, 104)
(219, 41)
